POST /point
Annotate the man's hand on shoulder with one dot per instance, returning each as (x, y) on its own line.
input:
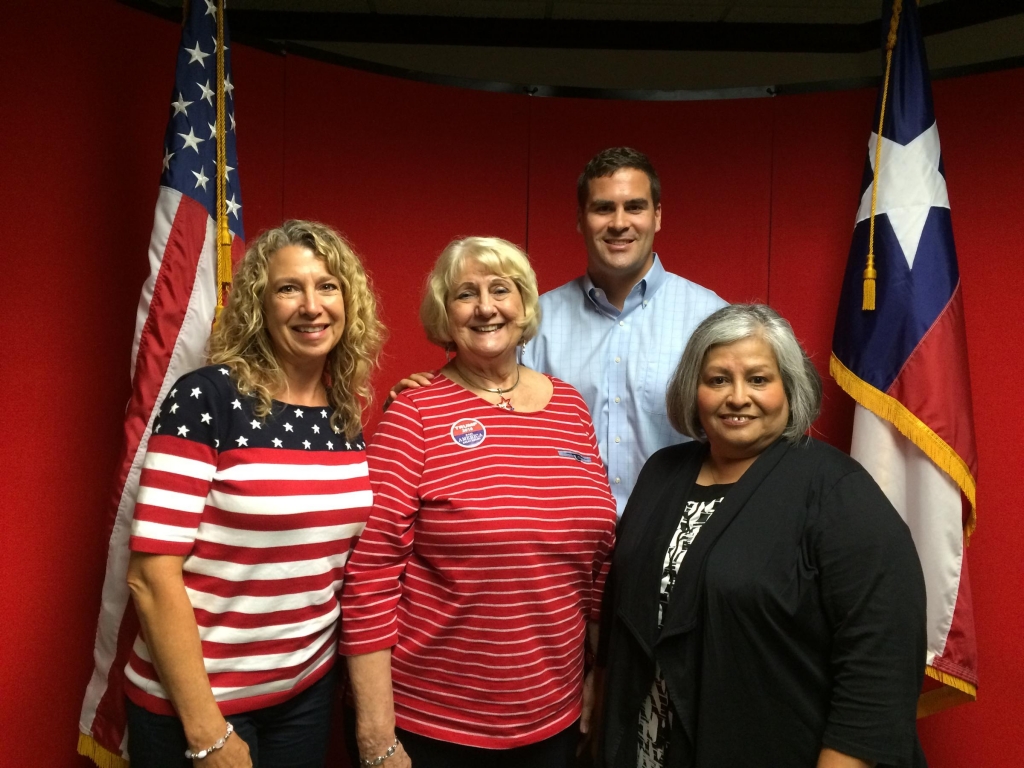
(414, 381)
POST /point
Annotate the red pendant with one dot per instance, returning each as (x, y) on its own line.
(504, 403)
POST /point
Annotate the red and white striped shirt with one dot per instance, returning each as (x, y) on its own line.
(484, 557)
(265, 512)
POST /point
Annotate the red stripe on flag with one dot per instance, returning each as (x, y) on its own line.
(960, 654)
(934, 384)
(171, 293)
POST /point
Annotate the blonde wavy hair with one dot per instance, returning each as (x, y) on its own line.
(241, 341)
(497, 256)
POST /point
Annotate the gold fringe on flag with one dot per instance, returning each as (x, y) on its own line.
(954, 691)
(870, 274)
(223, 233)
(102, 757)
(915, 430)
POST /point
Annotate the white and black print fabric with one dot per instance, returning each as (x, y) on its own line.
(655, 714)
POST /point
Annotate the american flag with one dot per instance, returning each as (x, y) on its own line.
(175, 314)
(905, 362)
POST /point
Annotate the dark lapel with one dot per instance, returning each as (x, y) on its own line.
(657, 509)
(684, 607)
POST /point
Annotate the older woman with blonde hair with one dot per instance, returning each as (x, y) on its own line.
(469, 596)
(253, 490)
(766, 606)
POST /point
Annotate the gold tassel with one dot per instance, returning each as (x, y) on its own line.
(870, 275)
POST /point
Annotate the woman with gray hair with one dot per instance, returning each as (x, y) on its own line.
(766, 605)
(472, 592)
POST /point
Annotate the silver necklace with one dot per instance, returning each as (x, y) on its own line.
(503, 402)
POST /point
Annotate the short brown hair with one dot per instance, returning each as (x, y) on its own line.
(607, 162)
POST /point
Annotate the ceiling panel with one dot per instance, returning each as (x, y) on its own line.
(654, 46)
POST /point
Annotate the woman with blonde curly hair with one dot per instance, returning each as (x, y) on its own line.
(253, 490)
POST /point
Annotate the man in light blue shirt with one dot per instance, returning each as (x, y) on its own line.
(617, 332)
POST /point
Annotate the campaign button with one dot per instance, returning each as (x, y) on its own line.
(468, 433)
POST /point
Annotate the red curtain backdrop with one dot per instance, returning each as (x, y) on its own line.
(759, 199)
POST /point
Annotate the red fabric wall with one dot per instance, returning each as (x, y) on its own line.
(759, 200)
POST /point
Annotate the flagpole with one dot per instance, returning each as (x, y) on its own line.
(915, 437)
(177, 306)
(223, 233)
(870, 274)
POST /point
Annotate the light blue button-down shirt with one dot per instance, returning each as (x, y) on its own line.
(621, 361)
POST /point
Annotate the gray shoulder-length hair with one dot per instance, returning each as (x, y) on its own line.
(730, 324)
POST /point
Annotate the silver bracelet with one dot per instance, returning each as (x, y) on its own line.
(190, 755)
(378, 760)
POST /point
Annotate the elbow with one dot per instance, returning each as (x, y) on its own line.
(138, 583)
(149, 576)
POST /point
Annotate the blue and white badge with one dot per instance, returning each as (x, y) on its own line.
(469, 433)
(574, 455)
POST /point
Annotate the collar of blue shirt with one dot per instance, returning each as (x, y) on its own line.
(641, 293)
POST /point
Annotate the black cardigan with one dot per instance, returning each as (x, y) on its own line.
(797, 620)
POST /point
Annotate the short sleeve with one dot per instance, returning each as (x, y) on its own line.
(180, 462)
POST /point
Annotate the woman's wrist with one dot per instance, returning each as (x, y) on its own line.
(378, 757)
(202, 734)
(199, 754)
(375, 742)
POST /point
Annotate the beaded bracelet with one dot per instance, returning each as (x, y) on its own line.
(378, 760)
(190, 755)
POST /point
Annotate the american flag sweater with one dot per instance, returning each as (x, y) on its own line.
(265, 512)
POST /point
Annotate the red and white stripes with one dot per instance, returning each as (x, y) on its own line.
(484, 558)
(266, 534)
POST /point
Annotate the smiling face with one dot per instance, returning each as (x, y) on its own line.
(618, 224)
(304, 307)
(484, 312)
(741, 401)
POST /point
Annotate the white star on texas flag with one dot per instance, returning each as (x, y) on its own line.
(909, 186)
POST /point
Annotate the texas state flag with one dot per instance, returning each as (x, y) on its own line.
(905, 362)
